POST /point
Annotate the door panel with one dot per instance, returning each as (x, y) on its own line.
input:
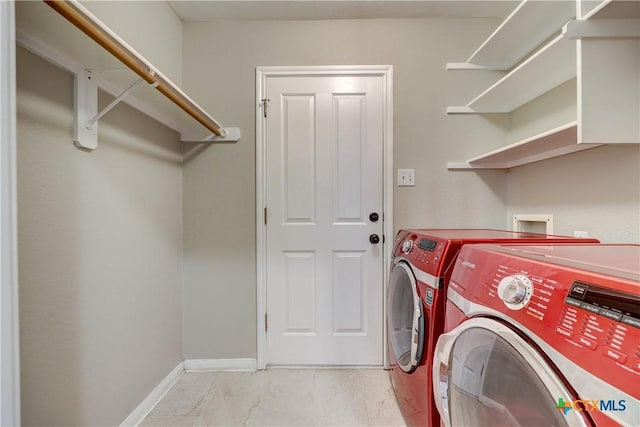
(301, 290)
(324, 279)
(299, 142)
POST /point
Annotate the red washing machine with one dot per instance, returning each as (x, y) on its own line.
(420, 272)
(541, 336)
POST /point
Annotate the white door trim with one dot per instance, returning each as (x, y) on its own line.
(9, 343)
(262, 73)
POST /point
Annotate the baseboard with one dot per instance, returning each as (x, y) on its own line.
(147, 405)
(217, 365)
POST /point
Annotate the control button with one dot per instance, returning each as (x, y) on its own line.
(631, 321)
(564, 332)
(407, 246)
(591, 345)
(573, 302)
(515, 291)
(591, 308)
(615, 355)
(611, 314)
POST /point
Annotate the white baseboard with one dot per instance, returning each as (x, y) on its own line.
(147, 405)
(192, 365)
(217, 365)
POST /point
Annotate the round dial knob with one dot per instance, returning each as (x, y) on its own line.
(515, 291)
(406, 246)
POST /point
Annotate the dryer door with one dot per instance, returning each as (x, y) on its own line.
(484, 373)
(405, 319)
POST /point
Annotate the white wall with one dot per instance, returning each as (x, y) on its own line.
(219, 209)
(100, 249)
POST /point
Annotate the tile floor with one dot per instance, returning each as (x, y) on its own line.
(280, 397)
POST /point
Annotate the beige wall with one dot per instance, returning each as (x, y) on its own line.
(100, 247)
(150, 27)
(597, 190)
(219, 61)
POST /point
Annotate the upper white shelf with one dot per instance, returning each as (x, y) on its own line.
(549, 67)
(528, 26)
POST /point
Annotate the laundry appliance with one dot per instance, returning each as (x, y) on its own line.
(420, 270)
(541, 336)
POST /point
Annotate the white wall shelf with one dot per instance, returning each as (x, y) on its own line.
(528, 26)
(555, 142)
(48, 34)
(529, 80)
(604, 55)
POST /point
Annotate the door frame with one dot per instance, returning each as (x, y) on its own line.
(262, 74)
(9, 341)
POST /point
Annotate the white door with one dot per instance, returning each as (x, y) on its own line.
(324, 180)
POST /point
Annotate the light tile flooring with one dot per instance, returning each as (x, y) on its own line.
(280, 397)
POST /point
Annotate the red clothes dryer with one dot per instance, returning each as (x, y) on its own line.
(541, 335)
(420, 271)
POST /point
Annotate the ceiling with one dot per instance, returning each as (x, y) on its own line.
(210, 10)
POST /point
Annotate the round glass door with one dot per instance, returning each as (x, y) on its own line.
(494, 378)
(404, 317)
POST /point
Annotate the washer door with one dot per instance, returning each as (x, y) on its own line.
(404, 317)
(484, 373)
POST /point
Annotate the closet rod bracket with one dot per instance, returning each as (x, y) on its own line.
(94, 120)
(85, 108)
(226, 135)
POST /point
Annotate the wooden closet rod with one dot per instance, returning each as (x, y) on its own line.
(88, 24)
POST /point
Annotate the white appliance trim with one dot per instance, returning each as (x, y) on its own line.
(262, 73)
(218, 365)
(146, 406)
(422, 276)
(545, 372)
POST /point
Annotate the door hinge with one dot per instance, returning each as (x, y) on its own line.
(264, 101)
(265, 216)
(266, 323)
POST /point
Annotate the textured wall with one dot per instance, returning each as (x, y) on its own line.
(220, 59)
(100, 248)
(597, 190)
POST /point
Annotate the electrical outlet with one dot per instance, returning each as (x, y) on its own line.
(581, 234)
(406, 177)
